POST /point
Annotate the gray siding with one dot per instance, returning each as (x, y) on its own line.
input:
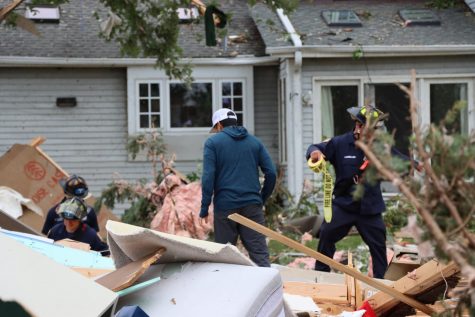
(266, 123)
(88, 139)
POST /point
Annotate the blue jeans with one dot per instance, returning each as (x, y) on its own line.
(227, 231)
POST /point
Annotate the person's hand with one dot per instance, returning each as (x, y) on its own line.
(204, 220)
(316, 156)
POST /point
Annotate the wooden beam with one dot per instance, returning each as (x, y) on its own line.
(417, 282)
(9, 8)
(36, 142)
(328, 261)
(320, 293)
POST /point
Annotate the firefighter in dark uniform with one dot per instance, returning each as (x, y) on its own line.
(72, 211)
(364, 214)
(73, 186)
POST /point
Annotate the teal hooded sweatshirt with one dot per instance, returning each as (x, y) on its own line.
(231, 163)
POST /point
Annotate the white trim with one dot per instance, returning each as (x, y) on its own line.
(295, 186)
(167, 114)
(317, 109)
(11, 61)
(425, 97)
(213, 74)
(317, 51)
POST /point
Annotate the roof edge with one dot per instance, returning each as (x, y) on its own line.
(24, 61)
(317, 51)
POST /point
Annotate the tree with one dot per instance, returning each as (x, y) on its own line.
(148, 28)
(444, 200)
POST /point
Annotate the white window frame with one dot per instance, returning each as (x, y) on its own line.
(214, 74)
(214, 106)
(220, 98)
(360, 81)
(317, 109)
(425, 97)
(137, 100)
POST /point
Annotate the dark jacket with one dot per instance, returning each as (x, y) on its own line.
(52, 218)
(346, 159)
(83, 234)
(231, 163)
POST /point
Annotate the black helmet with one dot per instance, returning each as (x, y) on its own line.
(362, 114)
(73, 208)
(75, 186)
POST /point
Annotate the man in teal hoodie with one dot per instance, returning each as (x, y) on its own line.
(231, 163)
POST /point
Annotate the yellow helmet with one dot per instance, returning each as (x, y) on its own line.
(365, 114)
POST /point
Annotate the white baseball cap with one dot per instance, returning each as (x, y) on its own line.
(222, 114)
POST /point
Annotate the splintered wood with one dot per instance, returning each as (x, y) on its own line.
(416, 283)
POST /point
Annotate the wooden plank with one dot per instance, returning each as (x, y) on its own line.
(9, 8)
(417, 282)
(328, 261)
(128, 274)
(89, 272)
(320, 293)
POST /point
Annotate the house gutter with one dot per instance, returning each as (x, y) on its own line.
(27, 61)
(295, 166)
(325, 51)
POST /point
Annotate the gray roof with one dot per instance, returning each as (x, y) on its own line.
(382, 27)
(76, 35)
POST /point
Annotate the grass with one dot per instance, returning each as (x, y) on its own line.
(281, 254)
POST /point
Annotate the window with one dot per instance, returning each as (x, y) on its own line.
(191, 106)
(341, 18)
(390, 99)
(43, 13)
(419, 17)
(149, 105)
(335, 100)
(154, 101)
(443, 97)
(232, 98)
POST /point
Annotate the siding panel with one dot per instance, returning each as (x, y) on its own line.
(88, 139)
(265, 108)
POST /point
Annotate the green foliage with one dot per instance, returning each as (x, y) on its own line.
(357, 53)
(152, 142)
(396, 214)
(442, 4)
(138, 194)
(276, 203)
(140, 213)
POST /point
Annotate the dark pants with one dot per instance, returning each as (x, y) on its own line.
(371, 229)
(227, 231)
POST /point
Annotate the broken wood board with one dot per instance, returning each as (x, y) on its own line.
(332, 263)
(130, 273)
(74, 244)
(417, 282)
(320, 293)
(35, 281)
(91, 273)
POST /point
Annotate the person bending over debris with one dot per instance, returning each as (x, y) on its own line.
(349, 163)
(232, 158)
(72, 211)
(73, 186)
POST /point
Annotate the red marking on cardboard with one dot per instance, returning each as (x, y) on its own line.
(34, 170)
